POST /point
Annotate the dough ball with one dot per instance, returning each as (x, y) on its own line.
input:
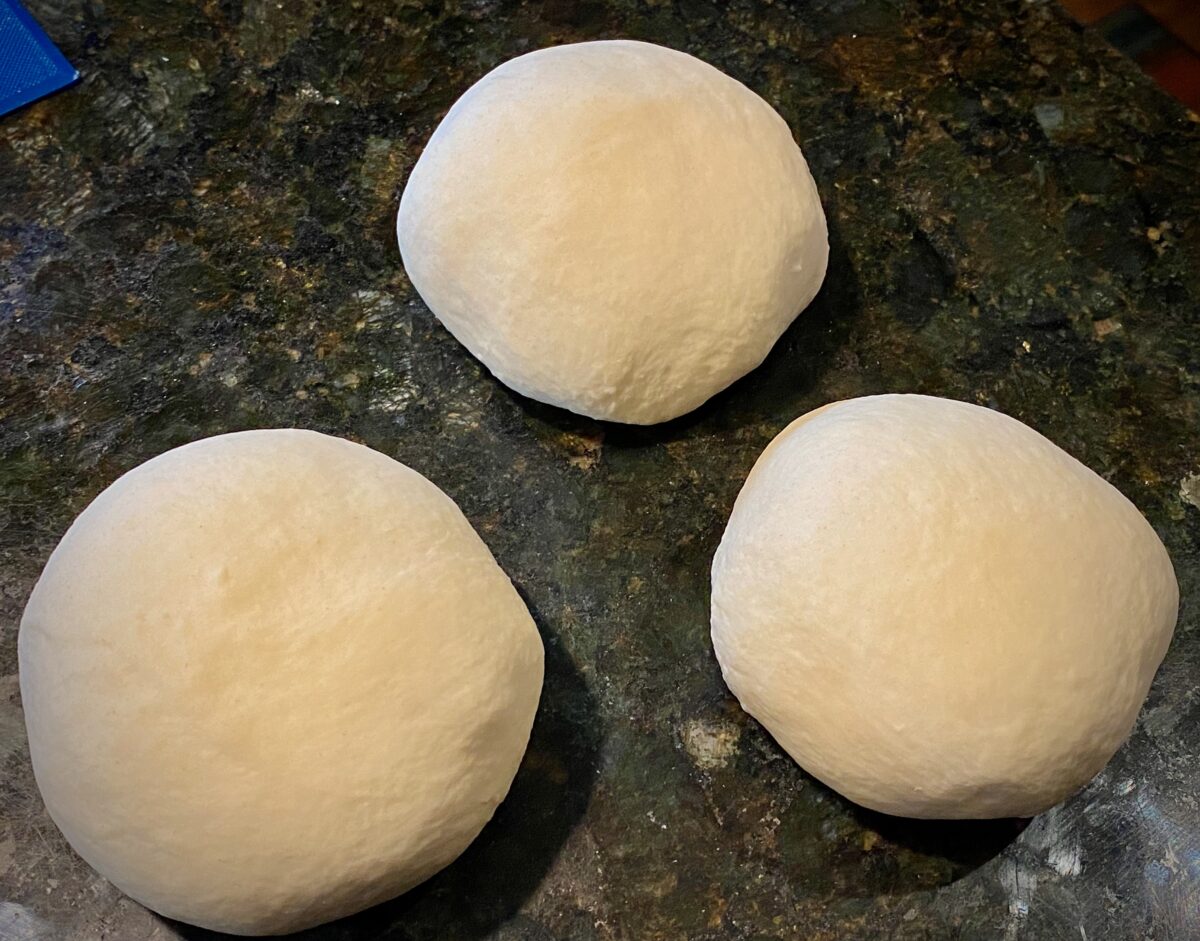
(613, 227)
(936, 611)
(272, 678)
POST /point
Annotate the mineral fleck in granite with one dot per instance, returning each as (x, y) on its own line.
(198, 238)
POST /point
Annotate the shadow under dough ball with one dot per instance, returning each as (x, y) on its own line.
(272, 678)
(935, 610)
(614, 227)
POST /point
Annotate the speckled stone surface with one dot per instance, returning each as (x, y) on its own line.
(199, 238)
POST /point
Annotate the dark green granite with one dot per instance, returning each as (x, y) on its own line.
(198, 239)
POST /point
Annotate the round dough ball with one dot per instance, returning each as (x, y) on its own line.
(272, 678)
(613, 227)
(935, 610)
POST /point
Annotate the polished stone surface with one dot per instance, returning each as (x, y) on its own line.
(199, 238)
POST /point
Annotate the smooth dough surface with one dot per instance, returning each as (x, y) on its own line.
(935, 610)
(272, 678)
(613, 227)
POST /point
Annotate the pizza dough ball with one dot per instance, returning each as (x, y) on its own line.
(936, 611)
(613, 227)
(272, 678)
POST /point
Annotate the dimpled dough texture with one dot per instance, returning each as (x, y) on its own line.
(936, 611)
(613, 227)
(272, 678)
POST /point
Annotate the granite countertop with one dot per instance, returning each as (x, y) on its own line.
(199, 238)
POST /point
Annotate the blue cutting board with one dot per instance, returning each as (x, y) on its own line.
(30, 65)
